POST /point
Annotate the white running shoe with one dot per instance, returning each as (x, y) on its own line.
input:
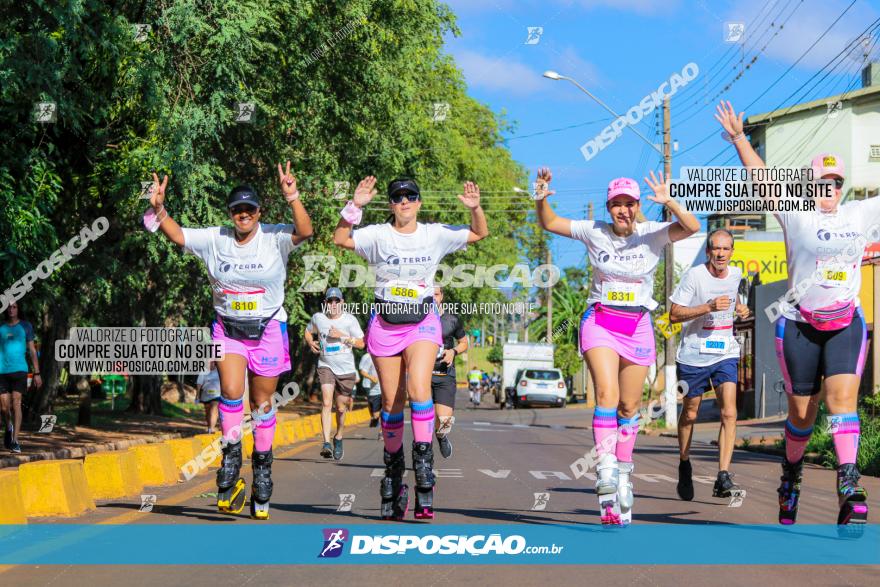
(625, 492)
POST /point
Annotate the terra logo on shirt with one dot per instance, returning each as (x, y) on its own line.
(826, 235)
(225, 267)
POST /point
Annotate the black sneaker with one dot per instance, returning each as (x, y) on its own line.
(326, 451)
(374, 422)
(724, 485)
(445, 445)
(337, 449)
(685, 485)
(16, 448)
(7, 439)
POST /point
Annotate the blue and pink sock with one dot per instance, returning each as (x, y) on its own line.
(264, 432)
(392, 431)
(627, 431)
(231, 416)
(796, 440)
(423, 420)
(845, 431)
(605, 430)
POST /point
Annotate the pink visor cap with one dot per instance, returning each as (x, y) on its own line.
(827, 164)
(623, 186)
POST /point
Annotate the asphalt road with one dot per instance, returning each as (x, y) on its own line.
(500, 460)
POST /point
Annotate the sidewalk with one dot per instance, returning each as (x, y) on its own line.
(123, 430)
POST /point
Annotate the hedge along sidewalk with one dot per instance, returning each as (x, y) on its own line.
(79, 436)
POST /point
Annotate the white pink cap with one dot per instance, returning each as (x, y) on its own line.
(827, 164)
(623, 186)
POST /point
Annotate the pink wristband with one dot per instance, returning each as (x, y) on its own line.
(352, 213)
(152, 220)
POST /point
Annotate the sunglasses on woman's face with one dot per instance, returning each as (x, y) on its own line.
(398, 198)
(243, 208)
(838, 182)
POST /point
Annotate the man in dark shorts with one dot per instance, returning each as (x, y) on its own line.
(332, 335)
(443, 386)
(16, 343)
(370, 383)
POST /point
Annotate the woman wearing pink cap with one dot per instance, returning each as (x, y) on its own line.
(404, 333)
(616, 333)
(821, 335)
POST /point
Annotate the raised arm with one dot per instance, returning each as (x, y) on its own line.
(686, 223)
(733, 125)
(167, 224)
(471, 199)
(352, 212)
(547, 218)
(301, 219)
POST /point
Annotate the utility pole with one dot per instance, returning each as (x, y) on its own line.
(669, 371)
(549, 298)
(589, 210)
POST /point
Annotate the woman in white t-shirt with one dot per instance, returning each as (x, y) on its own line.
(403, 335)
(247, 267)
(821, 334)
(616, 333)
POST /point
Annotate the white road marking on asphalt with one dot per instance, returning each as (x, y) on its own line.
(499, 474)
(546, 474)
(654, 477)
(704, 479)
(448, 472)
(482, 423)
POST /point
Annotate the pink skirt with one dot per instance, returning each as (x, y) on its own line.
(267, 357)
(639, 348)
(388, 340)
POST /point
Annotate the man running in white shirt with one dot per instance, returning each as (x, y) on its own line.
(336, 332)
(708, 354)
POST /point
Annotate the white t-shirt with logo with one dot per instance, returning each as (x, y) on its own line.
(366, 364)
(623, 267)
(708, 339)
(335, 354)
(824, 252)
(405, 264)
(247, 280)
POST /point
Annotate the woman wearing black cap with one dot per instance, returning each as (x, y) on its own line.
(404, 333)
(247, 266)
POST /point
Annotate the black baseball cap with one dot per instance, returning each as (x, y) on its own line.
(404, 185)
(243, 194)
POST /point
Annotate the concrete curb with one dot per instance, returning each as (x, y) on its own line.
(54, 488)
(70, 487)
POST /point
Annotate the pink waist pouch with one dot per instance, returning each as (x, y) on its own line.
(619, 321)
(834, 317)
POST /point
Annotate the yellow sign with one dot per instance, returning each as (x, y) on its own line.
(765, 258)
(665, 328)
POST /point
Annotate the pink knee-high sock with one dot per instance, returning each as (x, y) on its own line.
(845, 431)
(231, 415)
(605, 430)
(264, 434)
(423, 421)
(796, 440)
(627, 431)
(392, 431)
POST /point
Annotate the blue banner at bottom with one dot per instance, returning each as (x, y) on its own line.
(508, 544)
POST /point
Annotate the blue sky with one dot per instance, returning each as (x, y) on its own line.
(622, 50)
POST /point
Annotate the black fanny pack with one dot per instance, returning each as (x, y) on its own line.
(245, 328)
(401, 313)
